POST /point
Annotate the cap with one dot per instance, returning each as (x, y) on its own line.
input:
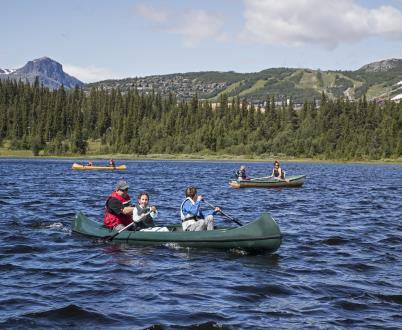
(122, 185)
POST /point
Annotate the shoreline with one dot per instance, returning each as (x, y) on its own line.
(192, 157)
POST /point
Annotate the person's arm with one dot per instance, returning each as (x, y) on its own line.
(128, 210)
(153, 212)
(204, 214)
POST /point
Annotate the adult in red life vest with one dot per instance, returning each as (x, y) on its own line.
(118, 209)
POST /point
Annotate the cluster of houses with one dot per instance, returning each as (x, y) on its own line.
(184, 88)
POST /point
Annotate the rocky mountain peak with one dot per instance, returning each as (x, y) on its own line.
(43, 65)
(49, 72)
(382, 66)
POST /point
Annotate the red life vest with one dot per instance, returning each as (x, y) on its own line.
(110, 219)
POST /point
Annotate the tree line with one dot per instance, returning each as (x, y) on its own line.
(61, 122)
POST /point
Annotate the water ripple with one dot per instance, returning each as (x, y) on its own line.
(339, 265)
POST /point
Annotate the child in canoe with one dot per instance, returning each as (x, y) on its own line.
(241, 173)
(144, 215)
(192, 217)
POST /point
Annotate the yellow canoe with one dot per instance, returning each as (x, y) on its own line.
(77, 166)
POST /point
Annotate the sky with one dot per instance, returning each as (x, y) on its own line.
(103, 39)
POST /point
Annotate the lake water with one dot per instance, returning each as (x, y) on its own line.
(339, 265)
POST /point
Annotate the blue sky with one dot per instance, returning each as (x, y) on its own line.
(96, 40)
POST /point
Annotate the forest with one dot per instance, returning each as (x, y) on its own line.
(63, 122)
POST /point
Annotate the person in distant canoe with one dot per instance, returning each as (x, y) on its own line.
(192, 217)
(112, 163)
(118, 209)
(90, 163)
(277, 172)
(241, 173)
(144, 215)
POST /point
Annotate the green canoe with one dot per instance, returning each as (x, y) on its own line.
(291, 181)
(261, 235)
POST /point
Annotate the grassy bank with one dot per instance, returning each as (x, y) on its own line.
(5, 152)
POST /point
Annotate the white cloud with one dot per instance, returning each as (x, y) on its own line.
(88, 74)
(193, 25)
(152, 14)
(321, 22)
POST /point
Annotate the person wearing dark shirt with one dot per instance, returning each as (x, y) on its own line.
(241, 173)
(277, 172)
(112, 163)
(118, 209)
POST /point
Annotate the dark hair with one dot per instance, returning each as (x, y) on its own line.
(142, 193)
(191, 191)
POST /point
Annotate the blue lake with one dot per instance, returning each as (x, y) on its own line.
(339, 265)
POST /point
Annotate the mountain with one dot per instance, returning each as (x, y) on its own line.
(49, 72)
(382, 66)
(376, 80)
(6, 71)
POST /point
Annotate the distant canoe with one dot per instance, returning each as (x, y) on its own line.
(291, 181)
(77, 166)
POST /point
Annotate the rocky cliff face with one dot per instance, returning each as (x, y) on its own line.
(382, 66)
(49, 72)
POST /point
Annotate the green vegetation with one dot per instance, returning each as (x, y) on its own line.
(229, 90)
(61, 123)
(259, 84)
(375, 81)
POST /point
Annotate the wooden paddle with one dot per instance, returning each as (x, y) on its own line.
(110, 238)
(225, 215)
(261, 177)
(269, 177)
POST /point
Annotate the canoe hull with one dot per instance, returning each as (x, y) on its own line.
(261, 235)
(85, 167)
(293, 182)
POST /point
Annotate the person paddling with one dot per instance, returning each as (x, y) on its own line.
(118, 209)
(112, 163)
(143, 215)
(241, 173)
(192, 217)
(277, 172)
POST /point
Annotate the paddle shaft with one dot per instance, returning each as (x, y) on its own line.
(225, 215)
(114, 235)
(267, 177)
(128, 226)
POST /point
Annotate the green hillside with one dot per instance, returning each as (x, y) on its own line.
(376, 80)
